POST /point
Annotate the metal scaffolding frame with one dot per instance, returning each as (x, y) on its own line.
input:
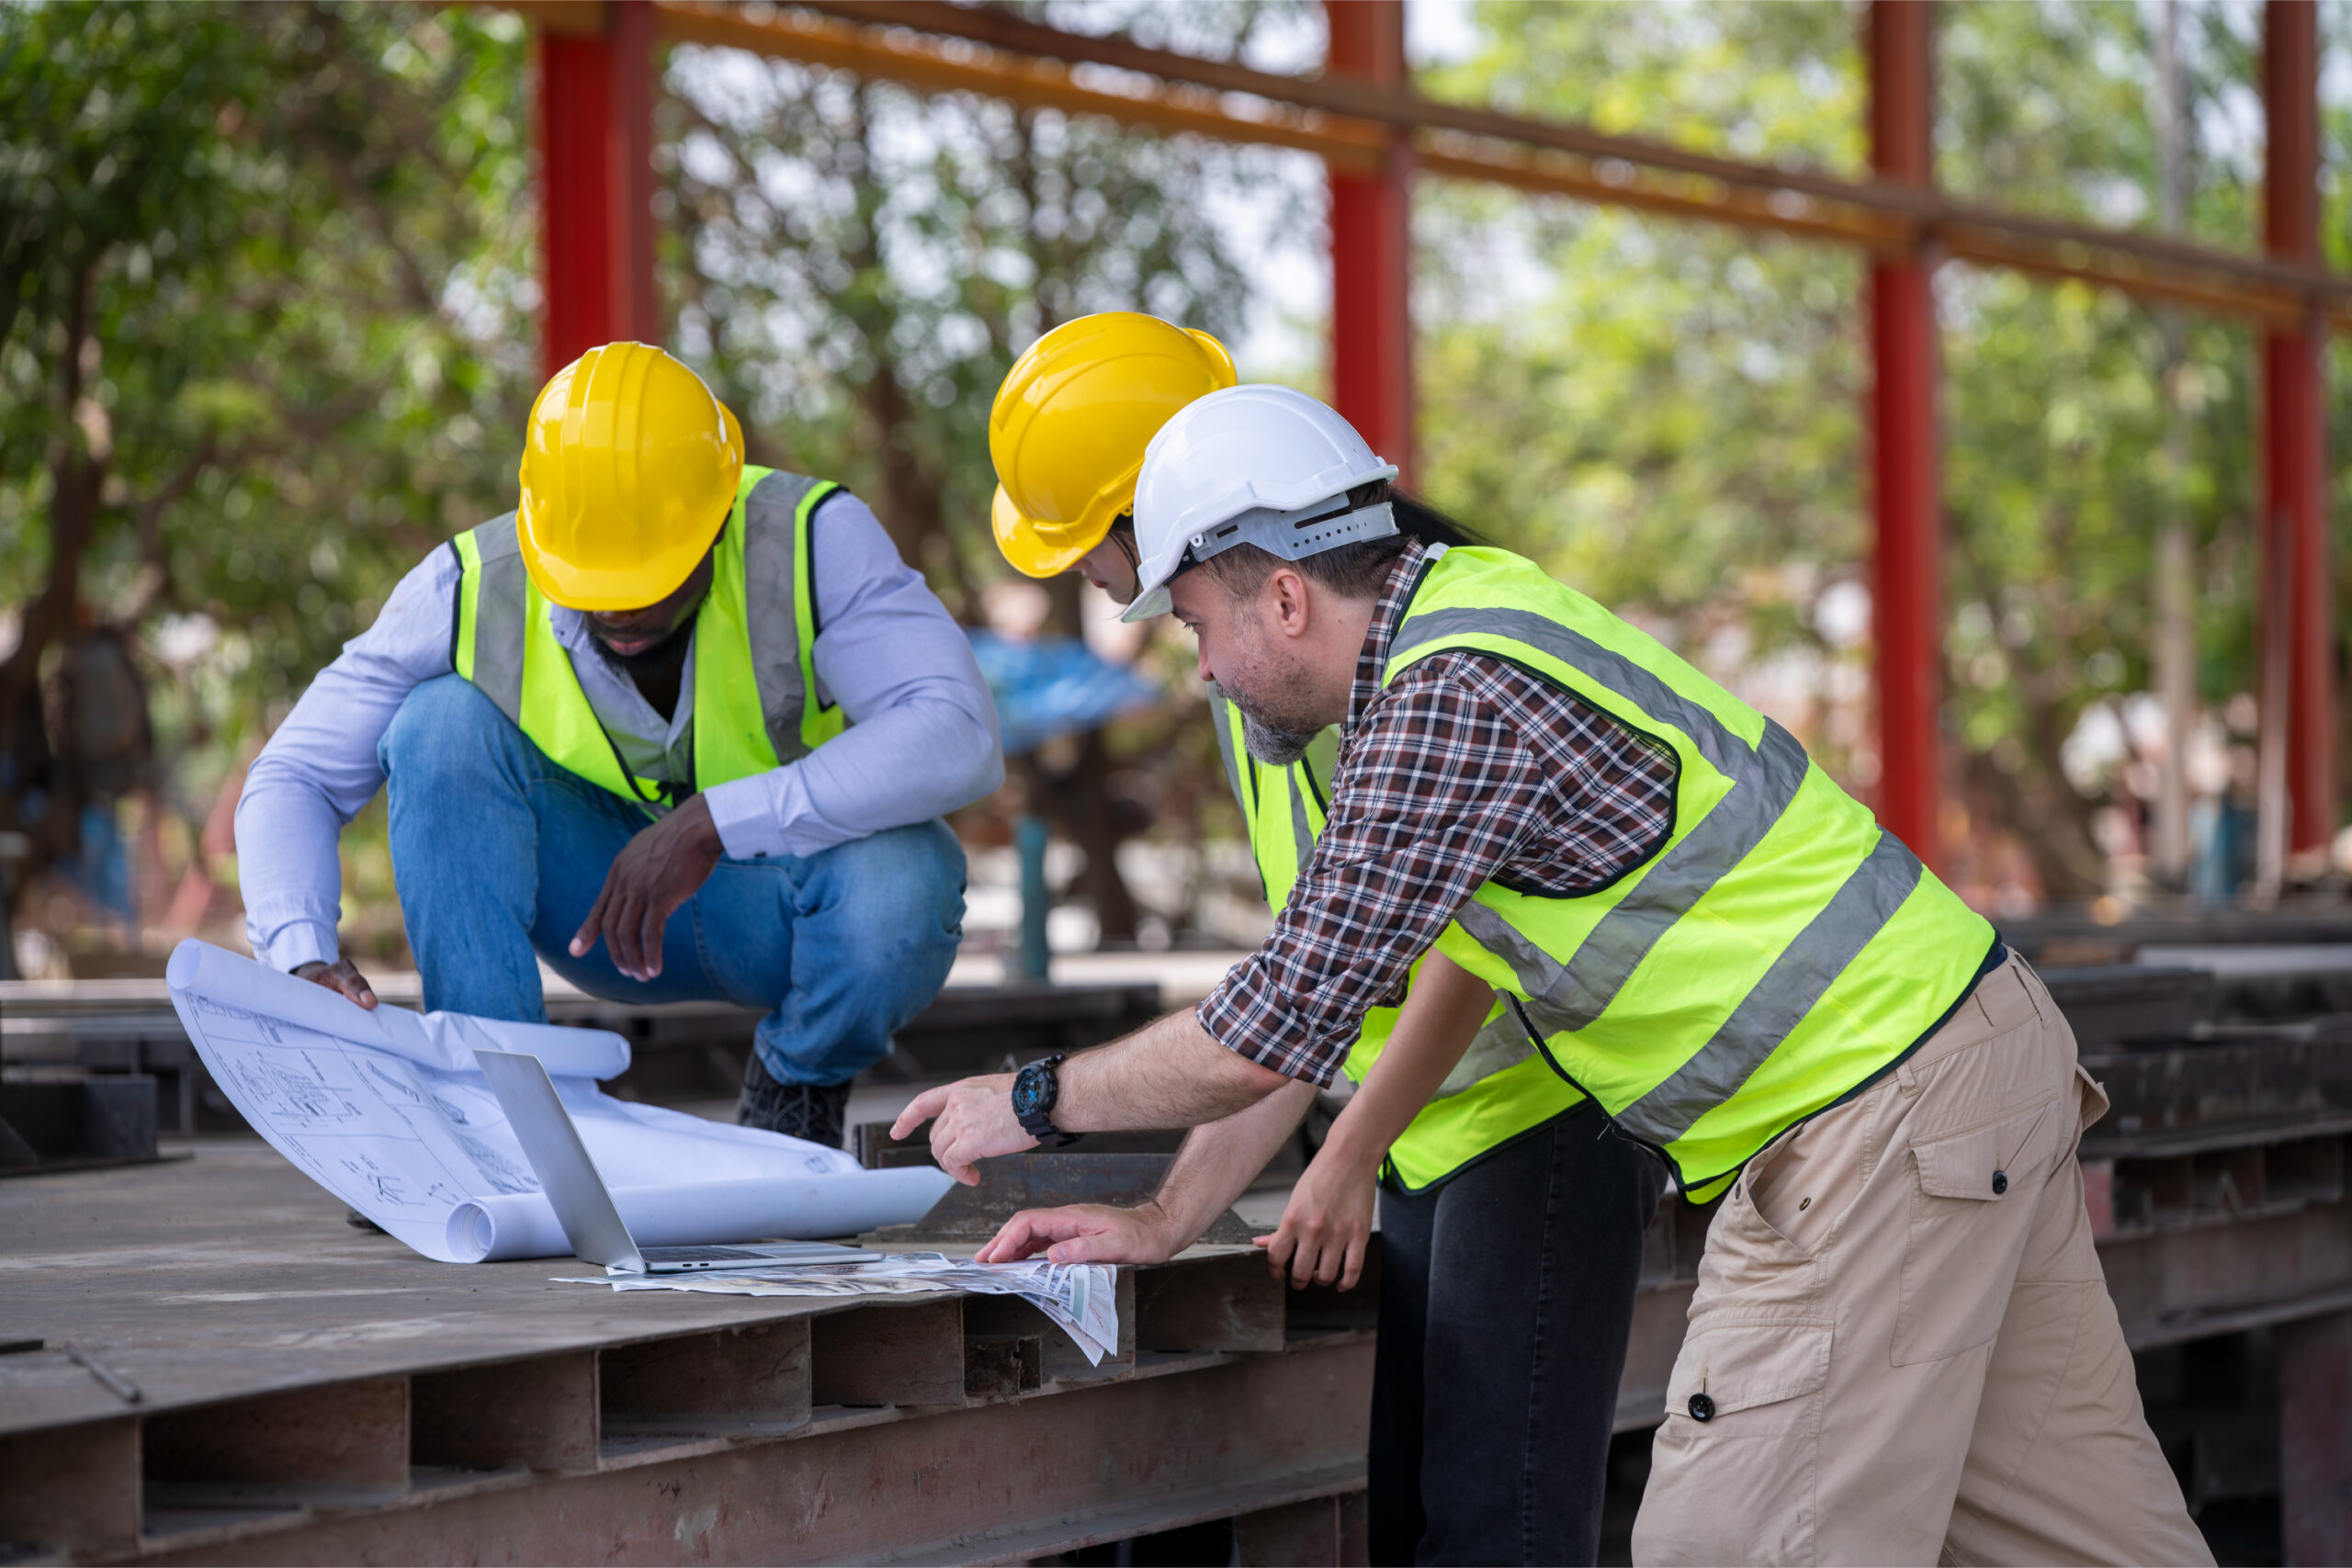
(1375, 131)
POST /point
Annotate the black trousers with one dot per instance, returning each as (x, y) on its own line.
(1506, 1294)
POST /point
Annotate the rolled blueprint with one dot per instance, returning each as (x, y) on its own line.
(445, 1041)
(802, 1208)
(387, 1110)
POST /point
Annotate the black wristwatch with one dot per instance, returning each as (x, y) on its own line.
(1035, 1089)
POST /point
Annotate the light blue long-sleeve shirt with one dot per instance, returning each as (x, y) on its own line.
(922, 738)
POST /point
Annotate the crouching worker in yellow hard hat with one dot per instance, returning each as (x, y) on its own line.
(1501, 1202)
(680, 728)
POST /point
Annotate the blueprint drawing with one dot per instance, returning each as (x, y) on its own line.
(386, 1111)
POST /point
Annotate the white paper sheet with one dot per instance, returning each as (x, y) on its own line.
(385, 1109)
(1082, 1298)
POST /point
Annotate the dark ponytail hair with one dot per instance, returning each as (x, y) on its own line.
(1424, 523)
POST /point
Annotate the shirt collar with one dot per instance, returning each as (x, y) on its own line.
(1404, 576)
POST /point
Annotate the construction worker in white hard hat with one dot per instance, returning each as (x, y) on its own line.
(1074, 417)
(1900, 1348)
(678, 727)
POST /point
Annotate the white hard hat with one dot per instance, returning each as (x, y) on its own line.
(1251, 465)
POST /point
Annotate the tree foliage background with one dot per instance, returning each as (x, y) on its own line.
(267, 336)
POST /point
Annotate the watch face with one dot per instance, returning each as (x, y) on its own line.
(1028, 1089)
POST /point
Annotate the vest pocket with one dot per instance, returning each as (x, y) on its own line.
(1976, 1194)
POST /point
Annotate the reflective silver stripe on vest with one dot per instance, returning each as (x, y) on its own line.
(1222, 712)
(1500, 1044)
(1725, 836)
(1302, 837)
(1788, 992)
(1765, 779)
(771, 609)
(500, 604)
(1715, 741)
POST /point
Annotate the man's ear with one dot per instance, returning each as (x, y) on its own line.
(1288, 600)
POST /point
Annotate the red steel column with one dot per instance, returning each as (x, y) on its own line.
(1372, 319)
(595, 130)
(1907, 591)
(2294, 433)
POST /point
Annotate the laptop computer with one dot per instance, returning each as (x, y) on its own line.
(581, 1202)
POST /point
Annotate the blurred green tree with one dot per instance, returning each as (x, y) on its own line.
(1668, 414)
(259, 270)
(862, 263)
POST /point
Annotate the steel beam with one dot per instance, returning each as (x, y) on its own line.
(1013, 1479)
(596, 134)
(1371, 322)
(1905, 469)
(925, 43)
(2294, 433)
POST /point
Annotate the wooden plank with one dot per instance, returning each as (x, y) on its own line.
(541, 1413)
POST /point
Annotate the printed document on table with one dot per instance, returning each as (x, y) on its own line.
(1082, 1298)
(385, 1109)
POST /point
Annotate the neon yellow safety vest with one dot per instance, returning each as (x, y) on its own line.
(1777, 952)
(756, 704)
(1500, 1089)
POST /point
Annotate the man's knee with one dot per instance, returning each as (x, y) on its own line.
(445, 727)
(899, 892)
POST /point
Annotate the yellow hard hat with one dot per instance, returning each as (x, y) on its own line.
(1069, 424)
(630, 469)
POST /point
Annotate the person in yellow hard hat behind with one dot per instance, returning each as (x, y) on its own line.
(1482, 1451)
(677, 726)
(1067, 434)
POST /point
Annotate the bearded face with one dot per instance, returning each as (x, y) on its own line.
(1269, 682)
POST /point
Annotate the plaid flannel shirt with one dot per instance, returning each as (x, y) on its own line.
(1465, 769)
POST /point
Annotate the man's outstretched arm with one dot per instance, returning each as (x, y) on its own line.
(1171, 1073)
(1215, 1166)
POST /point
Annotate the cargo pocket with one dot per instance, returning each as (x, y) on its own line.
(1714, 1496)
(2094, 1102)
(1969, 1222)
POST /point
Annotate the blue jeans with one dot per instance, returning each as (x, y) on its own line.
(500, 854)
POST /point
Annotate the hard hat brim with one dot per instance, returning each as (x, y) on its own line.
(1018, 540)
(647, 584)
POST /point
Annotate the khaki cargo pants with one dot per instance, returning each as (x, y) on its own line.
(1902, 1348)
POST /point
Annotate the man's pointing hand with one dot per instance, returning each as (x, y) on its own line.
(971, 1120)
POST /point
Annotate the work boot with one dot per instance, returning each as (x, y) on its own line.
(810, 1111)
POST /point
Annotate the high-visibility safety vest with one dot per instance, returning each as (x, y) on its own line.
(1500, 1089)
(1777, 952)
(756, 704)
